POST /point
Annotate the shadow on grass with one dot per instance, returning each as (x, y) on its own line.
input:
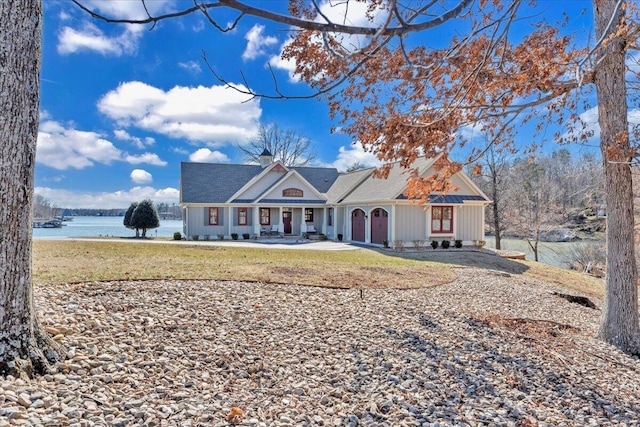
(461, 257)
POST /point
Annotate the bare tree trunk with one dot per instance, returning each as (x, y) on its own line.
(620, 315)
(25, 349)
(496, 213)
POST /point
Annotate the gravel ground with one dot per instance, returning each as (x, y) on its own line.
(488, 349)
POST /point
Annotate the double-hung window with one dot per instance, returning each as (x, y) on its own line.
(243, 217)
(308, 214)
(442, 219)
(213, 216)
(265, 216)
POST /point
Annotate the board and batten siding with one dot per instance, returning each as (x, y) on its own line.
(410, 223)
(198, 220)
(469, 223)
(261, 185)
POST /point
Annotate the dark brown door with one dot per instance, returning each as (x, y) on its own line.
(286, 221)
(357, 225)
(379, 227)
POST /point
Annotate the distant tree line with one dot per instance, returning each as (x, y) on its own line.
(44, 208)
(533, 195)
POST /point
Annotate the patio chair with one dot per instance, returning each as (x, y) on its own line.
(274, 230)
(311, 229)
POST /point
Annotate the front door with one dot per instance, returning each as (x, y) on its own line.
(286, 222)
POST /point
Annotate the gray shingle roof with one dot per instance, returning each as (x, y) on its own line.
(321, 178)
(386, 189)
(217, 182)
(213, 182)
(345, 183)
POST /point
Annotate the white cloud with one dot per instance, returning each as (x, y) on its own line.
(141, 176)
(118, 199)
(256, 42)
(91, 38)
(471, 131)
(204, 155)
(63, 148)
(148, 158)
(354, 154)
(123, 135)
(128, 9)
(190, 66)
(215, 115)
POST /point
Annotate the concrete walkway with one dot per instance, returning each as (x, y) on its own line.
(300, 244)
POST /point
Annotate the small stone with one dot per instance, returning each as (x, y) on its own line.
(24, 400)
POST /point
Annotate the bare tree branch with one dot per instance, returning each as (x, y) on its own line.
(293, 21)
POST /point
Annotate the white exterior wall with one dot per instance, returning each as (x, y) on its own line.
(291, 182)
(339, 226)
(197, 222)
(410, 223)
(261, 186)
(469, 223)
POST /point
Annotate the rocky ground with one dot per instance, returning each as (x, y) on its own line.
(487, 349)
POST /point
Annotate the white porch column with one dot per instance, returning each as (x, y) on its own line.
(280, 223)
(345, 227)
(392, 237)
(303, 221)
(367, 226)
(256, 220)
(230, 222)
(324, 220)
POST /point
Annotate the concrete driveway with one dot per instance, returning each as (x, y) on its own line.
(300, 244)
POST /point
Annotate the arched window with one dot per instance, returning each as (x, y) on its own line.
(292, 192)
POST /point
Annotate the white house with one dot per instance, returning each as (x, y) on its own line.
(270, 198)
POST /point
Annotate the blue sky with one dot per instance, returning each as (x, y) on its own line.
(122, 106)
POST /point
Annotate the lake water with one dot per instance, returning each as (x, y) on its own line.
(107, 226)
(553, 253)
(101, 226)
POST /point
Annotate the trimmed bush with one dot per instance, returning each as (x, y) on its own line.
(445, 244)
(246, 236)
(434, 244)
(177, 236)
(220, 236)
(234, 236)
(458, 244)
(195, 237)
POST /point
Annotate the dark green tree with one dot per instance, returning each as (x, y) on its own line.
(128, 215)
(145, 216)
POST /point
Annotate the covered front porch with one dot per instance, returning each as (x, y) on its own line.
(285, 221)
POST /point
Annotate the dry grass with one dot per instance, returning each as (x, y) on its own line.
(60, 261)
(82, 261)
